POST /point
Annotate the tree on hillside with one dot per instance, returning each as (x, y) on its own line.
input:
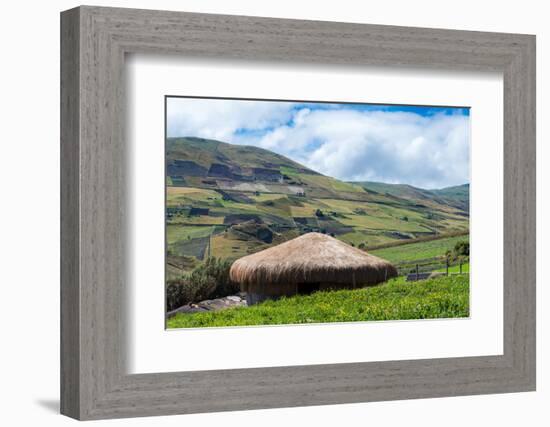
(461, 250)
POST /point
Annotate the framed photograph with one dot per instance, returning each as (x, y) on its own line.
(261, 213)
(312, 205)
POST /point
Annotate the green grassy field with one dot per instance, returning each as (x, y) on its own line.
(417, 251)
(175, 233)
(456, 268)
(443, 297)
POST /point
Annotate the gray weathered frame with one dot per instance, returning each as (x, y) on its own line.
(94, 41)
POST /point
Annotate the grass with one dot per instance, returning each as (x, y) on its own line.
(232, 248)
(379, 217)
(368, 238)
(307, 208)
(443, 297)
(456, 268)
(328, 182)
(176, 195)
(419, 250)
(175, 233)
(198, 220)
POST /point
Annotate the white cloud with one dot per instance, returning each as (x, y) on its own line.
(220, 119)
(348, 144)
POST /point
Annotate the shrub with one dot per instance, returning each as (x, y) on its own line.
(461, 251)
(462, 248)
(218, 271)
(208, 280)
(178, 293)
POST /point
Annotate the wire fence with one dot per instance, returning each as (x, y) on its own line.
(423, 268)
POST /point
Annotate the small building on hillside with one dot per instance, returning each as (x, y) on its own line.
(306, 264)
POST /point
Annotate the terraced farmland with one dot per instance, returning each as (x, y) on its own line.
(228, 201)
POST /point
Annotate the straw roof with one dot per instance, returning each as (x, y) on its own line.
(311, 258)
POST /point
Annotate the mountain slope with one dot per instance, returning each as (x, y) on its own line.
(228, 201)
(206, 152)
(456, 196)
(214, 164)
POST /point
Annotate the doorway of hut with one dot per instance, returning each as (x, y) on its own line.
(307, 288)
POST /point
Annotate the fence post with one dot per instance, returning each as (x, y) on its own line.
(417, 272)
(447, 265)
(460, 266)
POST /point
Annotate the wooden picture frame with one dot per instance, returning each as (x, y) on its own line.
(94, 382)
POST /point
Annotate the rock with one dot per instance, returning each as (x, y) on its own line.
(216, 304)
(213, 305)
(188, 308)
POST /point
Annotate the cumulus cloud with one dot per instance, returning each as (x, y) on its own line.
(221, 119)
(352, 144)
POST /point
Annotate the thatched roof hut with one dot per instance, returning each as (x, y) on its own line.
(308, 263)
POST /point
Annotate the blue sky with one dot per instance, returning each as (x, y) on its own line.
(427, 147)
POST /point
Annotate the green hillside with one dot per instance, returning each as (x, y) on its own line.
(403, 191)
(456, 196)
(228, 201)
(205, 152)
(418, 250)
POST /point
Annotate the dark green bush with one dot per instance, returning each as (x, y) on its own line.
(178, 293)
(461, 251)
(462, 248)
(208, 280)
(217, 270)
